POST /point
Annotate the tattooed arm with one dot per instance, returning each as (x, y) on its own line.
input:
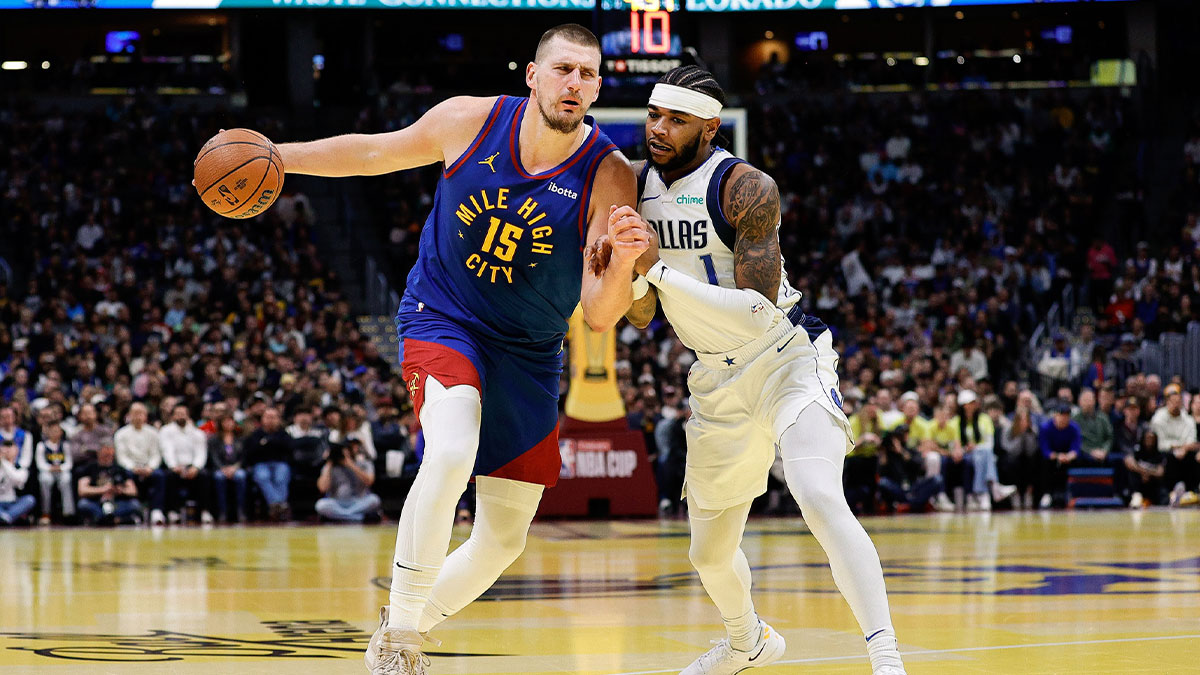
(750, 201)
(642, 311)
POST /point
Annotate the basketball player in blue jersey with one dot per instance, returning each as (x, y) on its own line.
(526, 184)
(765, 375)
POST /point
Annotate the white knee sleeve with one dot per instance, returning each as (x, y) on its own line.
(450, 419)
(504, 509)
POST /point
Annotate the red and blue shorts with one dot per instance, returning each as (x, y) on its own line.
(518, 435)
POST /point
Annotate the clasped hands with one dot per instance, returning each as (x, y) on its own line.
(630, 244)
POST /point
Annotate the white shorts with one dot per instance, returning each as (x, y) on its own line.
(739, 412)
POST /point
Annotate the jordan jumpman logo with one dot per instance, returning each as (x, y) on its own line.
(489, 161)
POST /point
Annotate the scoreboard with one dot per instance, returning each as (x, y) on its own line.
(649, 23)
(640, 40)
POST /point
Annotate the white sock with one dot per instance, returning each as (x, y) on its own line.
(883, 649)
(744, 631)
(411, 585)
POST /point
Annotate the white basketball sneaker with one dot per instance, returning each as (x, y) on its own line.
(1001, 492)
(725, 660)
(395, 652)
(890, 670)
(942, 503)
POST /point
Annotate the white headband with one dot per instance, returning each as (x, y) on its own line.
(685, 100)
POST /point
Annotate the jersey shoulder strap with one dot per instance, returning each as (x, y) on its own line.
(642, 180)
(724, 229)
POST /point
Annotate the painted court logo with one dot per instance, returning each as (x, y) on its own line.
(306, 639)
(321, 639)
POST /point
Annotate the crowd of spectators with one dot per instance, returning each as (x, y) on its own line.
(151, 350)
(931, 234)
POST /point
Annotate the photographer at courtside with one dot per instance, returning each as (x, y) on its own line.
(346, 480)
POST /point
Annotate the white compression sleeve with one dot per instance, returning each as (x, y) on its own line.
(740, 311)
(450, 418)
(716, 553)
(504, 509)
(814, 450)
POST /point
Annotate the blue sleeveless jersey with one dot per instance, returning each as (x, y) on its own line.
(500, 254)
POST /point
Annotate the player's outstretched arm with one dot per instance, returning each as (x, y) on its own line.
(442, 134)
(751, 200)
(605, 298)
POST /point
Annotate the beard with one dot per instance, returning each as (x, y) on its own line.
(559, 123)
(683, 156)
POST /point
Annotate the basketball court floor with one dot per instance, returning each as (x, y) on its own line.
(1063, 592)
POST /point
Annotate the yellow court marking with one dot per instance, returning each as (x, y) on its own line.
(1037, 593)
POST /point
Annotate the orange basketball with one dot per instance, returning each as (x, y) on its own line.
(238, 173)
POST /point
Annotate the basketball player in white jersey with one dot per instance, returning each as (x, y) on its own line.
(765, 378)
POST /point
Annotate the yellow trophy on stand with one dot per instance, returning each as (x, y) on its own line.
(593, 398)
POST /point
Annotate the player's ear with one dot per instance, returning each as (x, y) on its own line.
(710, 128)
(599, 83)
(530, 72)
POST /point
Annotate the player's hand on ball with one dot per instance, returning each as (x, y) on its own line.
(598, 255)
(629, 234)
(238, 173)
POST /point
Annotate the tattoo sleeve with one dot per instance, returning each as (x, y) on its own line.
(642, 311)
(753, 208)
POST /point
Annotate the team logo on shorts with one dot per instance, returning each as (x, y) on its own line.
(414, 386)
(837, 399)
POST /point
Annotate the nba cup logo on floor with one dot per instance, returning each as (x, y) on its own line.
(504, 231)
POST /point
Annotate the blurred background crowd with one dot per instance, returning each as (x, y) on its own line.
(1010, 275)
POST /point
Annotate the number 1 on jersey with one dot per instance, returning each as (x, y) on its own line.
(710, 268)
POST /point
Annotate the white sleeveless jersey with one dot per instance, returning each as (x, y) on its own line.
(695, 238)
